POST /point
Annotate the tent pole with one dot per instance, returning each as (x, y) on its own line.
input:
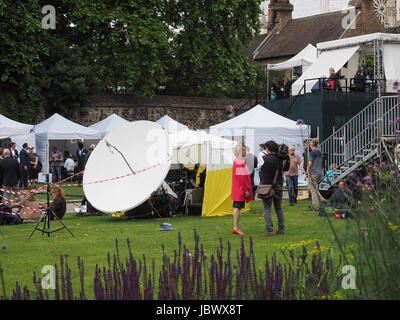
(266, 68)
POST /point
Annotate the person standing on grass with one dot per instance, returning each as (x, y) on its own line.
(274, 165)
(81, 156)
(9, 173)
(24, 162)
(314, 175)
(33, 170)
(241, 188)
(292, 175)
(55, 161)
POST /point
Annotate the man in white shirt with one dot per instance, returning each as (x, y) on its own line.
(260, 160)
(69, 165)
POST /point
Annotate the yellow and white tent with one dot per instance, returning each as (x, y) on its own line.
(214, 153)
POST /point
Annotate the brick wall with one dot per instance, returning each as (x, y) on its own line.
(200, 112)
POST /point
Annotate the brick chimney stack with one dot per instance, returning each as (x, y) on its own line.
(279, 13)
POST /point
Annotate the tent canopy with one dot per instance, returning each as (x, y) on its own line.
(108, 124)
(332, 58)
(171, 125)
(258, 125)
(198, 147)
(304, 58)
(59, 128)
(17, 132)
(337, 52)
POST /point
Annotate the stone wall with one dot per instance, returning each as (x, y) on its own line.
(200, 112)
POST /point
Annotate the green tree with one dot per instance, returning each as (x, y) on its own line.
(206, 46)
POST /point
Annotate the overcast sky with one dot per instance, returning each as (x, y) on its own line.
(303, 8)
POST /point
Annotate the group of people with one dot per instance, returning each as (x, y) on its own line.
(63, 166)
(280, 89)
(18, 169)
(274, 166)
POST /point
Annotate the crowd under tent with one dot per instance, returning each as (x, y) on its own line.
(171, 125)
(304, 59)
(108, 124)
(62, 133)
(11, 130)
(346, 55)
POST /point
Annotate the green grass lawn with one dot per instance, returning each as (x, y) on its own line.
(71, 193)
(95, 236)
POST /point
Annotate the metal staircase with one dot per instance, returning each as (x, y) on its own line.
(359, 139)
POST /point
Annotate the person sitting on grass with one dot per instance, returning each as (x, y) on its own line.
(59, 204)
(29, 208)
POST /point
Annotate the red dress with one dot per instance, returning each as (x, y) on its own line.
(240, 181)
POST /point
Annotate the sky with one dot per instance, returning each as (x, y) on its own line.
(303, 8)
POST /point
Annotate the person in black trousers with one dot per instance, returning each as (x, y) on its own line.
(9, 173)
(81, 156)
(25, 164)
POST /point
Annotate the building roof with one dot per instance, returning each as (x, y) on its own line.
(298, 33)
(253, 45)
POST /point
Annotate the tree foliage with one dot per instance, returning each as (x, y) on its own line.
(187, 47)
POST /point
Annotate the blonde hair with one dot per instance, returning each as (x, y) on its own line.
(238, 150)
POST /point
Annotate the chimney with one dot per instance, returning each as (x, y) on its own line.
(279, 13)
(325, 6)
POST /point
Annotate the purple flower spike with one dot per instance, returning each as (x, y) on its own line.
(359, 184)
(368, 179)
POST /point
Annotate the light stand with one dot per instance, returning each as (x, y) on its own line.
(46, 216)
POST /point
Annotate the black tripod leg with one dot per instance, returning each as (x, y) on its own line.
(62, 223)
(40, 221)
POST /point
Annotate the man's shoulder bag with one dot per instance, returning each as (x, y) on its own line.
(266, 191)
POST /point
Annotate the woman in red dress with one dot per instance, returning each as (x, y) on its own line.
(241, 188)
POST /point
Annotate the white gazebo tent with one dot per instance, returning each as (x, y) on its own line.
(384, 46)
(258, 125)
(108, 124)
(171, 125)
(305, 58)
(18, 132)
(60, 129)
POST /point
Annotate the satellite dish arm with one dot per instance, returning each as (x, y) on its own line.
(109, 145)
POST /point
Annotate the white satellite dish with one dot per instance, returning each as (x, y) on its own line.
(127, 166)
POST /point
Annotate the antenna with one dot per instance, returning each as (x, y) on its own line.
(122, 180)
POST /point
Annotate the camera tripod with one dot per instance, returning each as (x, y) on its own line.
(46, 217)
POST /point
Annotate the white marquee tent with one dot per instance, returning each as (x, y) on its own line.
(258, 125)
(59, 128)
(108, 124)
(17, 132)
(305, 58)
(338, 52)
(171, 125)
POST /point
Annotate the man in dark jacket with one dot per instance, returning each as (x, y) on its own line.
(24, 162)
(81, 156)
(273, 163)
(9, 173)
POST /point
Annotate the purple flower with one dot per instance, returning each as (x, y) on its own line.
(359, 184)
(369, 124)
(300, 121)
(398, 91)
(370, 166)
(353, 175)
(366, 235)
(204, 257)
(368, 179)
(372, 209)
(5, 247)
(398, 120)
(397, 132)
(391, 122)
